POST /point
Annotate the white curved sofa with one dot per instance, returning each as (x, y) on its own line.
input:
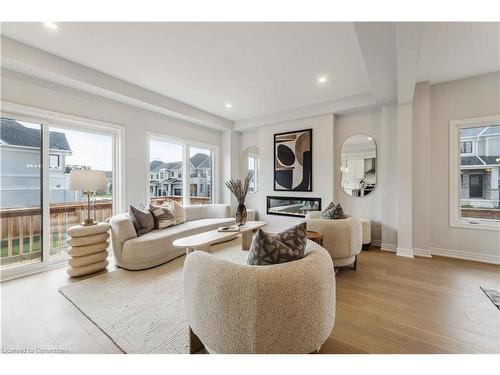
(155, 248)
(283, 308)
(342, 238)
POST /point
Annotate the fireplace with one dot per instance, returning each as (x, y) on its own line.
(292, 206)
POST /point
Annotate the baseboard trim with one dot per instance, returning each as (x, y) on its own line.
(376, 243)
(388, 247)
(425, 253)
(408, 253)
(465, 255)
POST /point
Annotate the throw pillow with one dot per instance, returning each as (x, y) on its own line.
(277, 248)
(333, 212)
(142, 219)
(162, 215)
(178, 210)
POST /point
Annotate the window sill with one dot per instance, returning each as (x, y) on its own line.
(476, 224)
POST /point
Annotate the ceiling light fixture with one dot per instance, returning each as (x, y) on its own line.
(228, 105)
(51, 25)
(322, 79)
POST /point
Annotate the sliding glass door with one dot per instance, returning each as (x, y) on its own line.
(20, 192)
(76, 149)
(36, 206)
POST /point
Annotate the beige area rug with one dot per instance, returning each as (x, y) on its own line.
(141, 311)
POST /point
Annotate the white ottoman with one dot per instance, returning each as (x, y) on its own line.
(367, 233)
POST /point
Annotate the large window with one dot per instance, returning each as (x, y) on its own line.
(171, 160)
(474, 173)
(36, 206)
(77, 149)
(253, 168)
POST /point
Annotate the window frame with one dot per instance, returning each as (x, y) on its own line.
(455, 173)
(50, 119)
(186, 144)
(256, 171)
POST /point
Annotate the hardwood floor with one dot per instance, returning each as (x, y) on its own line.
(389, 305)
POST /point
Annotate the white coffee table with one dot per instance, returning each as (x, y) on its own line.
(202, 241)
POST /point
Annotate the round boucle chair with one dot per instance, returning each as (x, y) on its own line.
(342, 238)
(237, 308)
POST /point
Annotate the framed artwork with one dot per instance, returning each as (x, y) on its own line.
(293, 161)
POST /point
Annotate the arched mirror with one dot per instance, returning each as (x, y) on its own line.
(358, 166)
(250, 163)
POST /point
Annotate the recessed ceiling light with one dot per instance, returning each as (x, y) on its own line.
(370, 138)
(322, 79)
(51, 25)
(228, 105)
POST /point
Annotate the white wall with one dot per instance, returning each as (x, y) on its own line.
(247, 140)
(22, 89)
(369, 207)
(471, 97)
(323, 165)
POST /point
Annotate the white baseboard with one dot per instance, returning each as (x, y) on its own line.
(388, 247)
(425, 253)
(408, 253)
(466, 255)
(376, 243)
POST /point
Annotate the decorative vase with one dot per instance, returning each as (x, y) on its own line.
(241, 215)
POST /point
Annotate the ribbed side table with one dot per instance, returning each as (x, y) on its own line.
(88, 249)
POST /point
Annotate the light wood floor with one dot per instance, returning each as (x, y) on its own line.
(389, 305)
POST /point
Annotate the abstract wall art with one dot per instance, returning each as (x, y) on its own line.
(293, 161)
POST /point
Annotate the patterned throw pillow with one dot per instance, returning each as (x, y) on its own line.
(177, 209)
(142, 219)
(277, 248)
(333, 212)
(162, 215)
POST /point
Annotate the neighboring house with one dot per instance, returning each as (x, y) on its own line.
(166, 178)
(480, 167)
(20, 176)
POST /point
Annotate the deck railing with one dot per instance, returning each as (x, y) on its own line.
(21, 228)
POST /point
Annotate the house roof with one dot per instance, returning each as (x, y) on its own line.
(198, 160)
(476, 161)
(474, 132)
(13, 133)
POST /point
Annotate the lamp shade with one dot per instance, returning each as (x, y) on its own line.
(87, 179)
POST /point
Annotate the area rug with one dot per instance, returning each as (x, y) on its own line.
(141, 311)
(493, 295)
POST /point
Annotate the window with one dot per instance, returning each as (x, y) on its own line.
(475, 173)
(36, 205)
(466, 147)
(167, 156)
(253, 168)
(200, 172)
(79, 149)
(54, 161)
(177, 159)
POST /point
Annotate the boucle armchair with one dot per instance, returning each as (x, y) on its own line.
(341, 238)
(237, 308)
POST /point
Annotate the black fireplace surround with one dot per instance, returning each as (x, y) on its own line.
(292, 206)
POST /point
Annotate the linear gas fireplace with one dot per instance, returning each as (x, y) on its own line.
(292, 206)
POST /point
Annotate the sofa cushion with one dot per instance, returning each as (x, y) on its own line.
(142, 219)
(157, 244)
(277, 248)
(162, 215)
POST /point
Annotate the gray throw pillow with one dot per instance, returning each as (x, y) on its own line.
(333, 212)
(142, 219)
(162, 215)
(277, 248)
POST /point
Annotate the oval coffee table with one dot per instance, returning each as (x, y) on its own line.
(202, 241)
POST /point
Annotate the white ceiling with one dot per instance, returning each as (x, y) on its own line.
(264, 69)
(454, 50)
(260, 68)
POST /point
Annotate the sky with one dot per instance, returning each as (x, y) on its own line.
(168, 152)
